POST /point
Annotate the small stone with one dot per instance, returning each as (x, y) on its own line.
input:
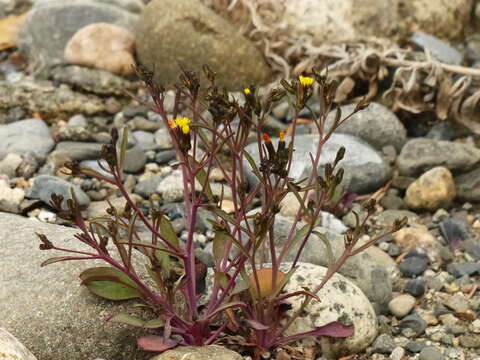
(163, 157)
(102, 46)
(77, 120)
(227, 206)
(163, 140)
(454, 230)
(44, 186)
(140, 123)
(401, 305)
(464, 268)
(413, 322)
(430, 353)
(211, 352)
(413, 237)
(384, 344)
(433, 190)
(415, 287)
(397, 353)
(415, 346)
(472, 247)
(457, 303)
(470, 341)
(47, 216)
(134, 160)
(12, 349)
(439, 49)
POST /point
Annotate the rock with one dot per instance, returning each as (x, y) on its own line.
(171, 187)
(415, 346)
(388, 217)
(25, 136)
(134, 6)
(44, 186)
(438, 48)
(413, 266)
(77, 120)
(430, 353)
(148, 187)
(92, 80)
(383, 344)
(12, 349)
(140, 123)
(341, 299)
(365, 169)
(10, 164)
(102, 46)
(163, 140)
(145, 140)
(470, 341)
(398, 353)
(135, 160)
(56, 297)
(65, 19)
(468, 186)
(11, 197)
(350, 22)
(443, 18)
(454, 230)
(52, 102)
(98, 208)
(415, 287)
(173, 32)
(464, 268)
(78, 150)
(164, 157)
(472, 247)
(420, 154)
(210, 352)
(401, 305)
(433, 190)
(376, 125)
(413, 322)
(410, 238)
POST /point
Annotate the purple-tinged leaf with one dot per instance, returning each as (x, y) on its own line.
(155, 343)
(257, 325)
(334, 329)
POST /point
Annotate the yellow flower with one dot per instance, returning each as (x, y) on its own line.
(184, 124)
(305, 80)
(247, 91)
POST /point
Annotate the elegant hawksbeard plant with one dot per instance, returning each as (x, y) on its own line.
(247, 297)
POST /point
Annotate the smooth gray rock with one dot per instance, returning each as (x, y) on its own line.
(44, 186)
(376, 124)
(79, 150)
(59, 319)
(25, 136)
(365, 169)
(135, 160)
(173, 32)
(43, 42)
(92, 80)
(420, 154)
(145, 140)
(211, 352)
(468, 186)
(438, 48)
(148, 187)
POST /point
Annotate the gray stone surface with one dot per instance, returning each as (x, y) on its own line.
(46, 308)
(12, 349)
(134, 160)
(79, 150)
(173, 32)
(211, 352)
(45, 185)
(420, 154)
(365, 169)
(21, 137)
(43, 42)
(439, 49)
(92, 80)
(376, 124)
(468, 186)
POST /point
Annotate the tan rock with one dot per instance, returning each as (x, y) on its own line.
(410, 238)
(211, 352)
(443, 18)
(102, 46)
(433, 190)
(12, 349)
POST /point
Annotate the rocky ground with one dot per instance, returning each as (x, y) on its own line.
(415, 295)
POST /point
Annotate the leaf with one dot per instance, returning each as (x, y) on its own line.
(109, 283)
(330, 255)
(203, 179)
(123, 147)
(226, 306)
(167, 231)
(257, 325)
(219, 243)
(155, 343)
(334, 329)
(124, 318)
(61, 258)
(222, 279)
(253, 165)
(154, 324)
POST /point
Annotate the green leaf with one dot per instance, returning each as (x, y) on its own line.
(154, 324)
(203, 179)
(167, 231)
(61, 258)
(240, 286)
(124, 318)
(219, 243)
(221, 278)
(110, 283)
(253, 165)
(222, 214)
(123, 147)
(322, 237)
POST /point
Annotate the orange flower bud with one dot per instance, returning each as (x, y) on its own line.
(266, 138)
(282, 135)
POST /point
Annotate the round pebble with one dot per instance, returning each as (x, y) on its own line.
(401, 305)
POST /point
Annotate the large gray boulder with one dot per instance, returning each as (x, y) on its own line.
(185, 32)
(46, 308)
(45, 186)
(421, 154)
(365, 168)
(43, 42)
